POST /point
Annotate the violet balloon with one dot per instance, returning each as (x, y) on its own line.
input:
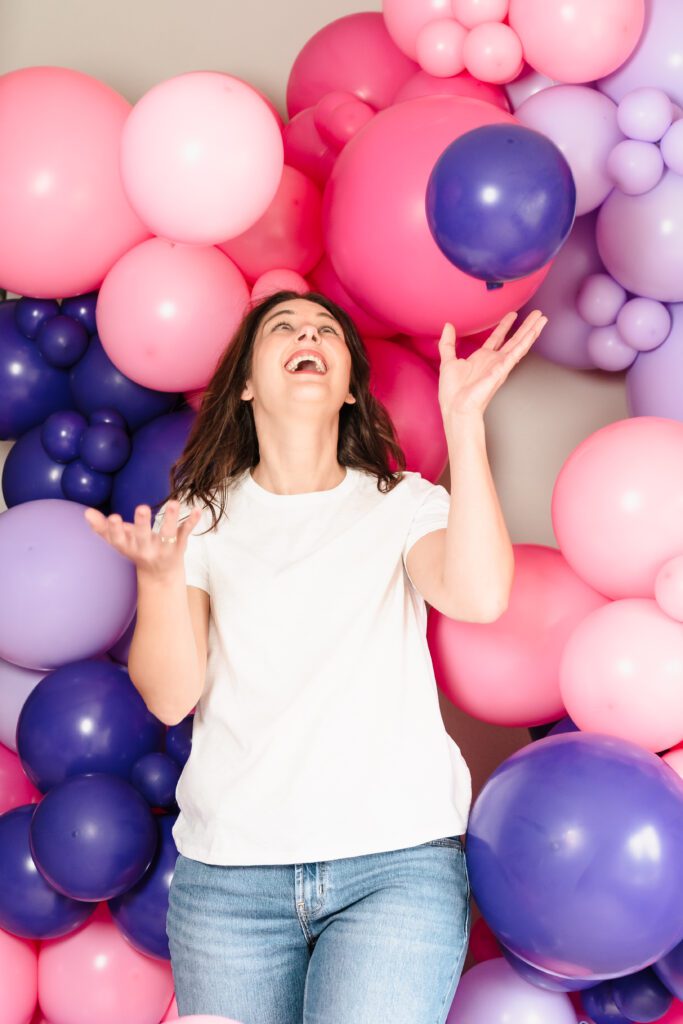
(29, 473)
(493, 993)
(16, 683)
(657, 59)
(145, 477)
(653, 381)
(641, 996)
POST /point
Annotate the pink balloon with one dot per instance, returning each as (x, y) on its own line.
(278, 280)
(289, 234)
(617, 505)
(306, 150)
(674, 759)
(178, 160)
(95, 976)
(18, 979)
(622, 674)
(405, 19)
(483, 943)
(172, 1012)
(493, 993)
(422, 84)
(325, 280)
(166, 312)
(474, 12)
(354, 54)
(506, 672)
(376, 227)
(669, 588)
(15, 787)
(339, 116)
(577, 40)
(439, 47)
(493, 52)
(409, 389)
(65, 217)
(203, 1019)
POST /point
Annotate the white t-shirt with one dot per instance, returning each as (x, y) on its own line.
(318, 734)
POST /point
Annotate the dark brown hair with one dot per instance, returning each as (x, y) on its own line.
(223, 442)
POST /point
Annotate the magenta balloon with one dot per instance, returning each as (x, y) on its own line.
(422, 84)
(493, 993)
(653, 383)
(376, 229)
(65, 594)
(306, 150)
(352, 54)
(640, 239)
(657, 59)
(65, 217)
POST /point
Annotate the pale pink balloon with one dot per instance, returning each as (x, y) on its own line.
(339, 116)
(15, 787)
(674, 759)
(178, 157)
(439, 48)
(203, 1019)
(278, 280)
(324, 279)
(577, 40)
(669, 588)
(473, 12)
(95, 976)
(306, 150)
(166, 312)
(289, 234)
(172, 1012)
(422, 84)
(405, 19)
(617, 505)
(18, 979)
(506, 672)
(493, 53)
(65, 217)
(409, 389)
(622, 674)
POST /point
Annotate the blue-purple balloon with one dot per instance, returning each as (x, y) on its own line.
(29, 906)
(549, 982)
(110, 416)
(62, 341)
(179, 740)
(156, 776)
(105, 447)
(669, 970)
(564, 725)
(82, 718)
(500, 201)
(641, 997)
(599, 1004)
(574, 855)
(145, 478)
(82, 308)
(30, 314)
(61, 434)
(93, 837)
(85, 485)
(29, 473)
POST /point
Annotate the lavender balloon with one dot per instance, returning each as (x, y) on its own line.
(66, 594)
(16, 684)
(493, 993)
(658, 57)
(645, 114)
(671, 147)
(635, 167)
(653, 383)
(644, 324)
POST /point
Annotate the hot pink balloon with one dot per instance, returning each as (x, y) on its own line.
(493, 993)
(617, 505)
(422, 84)
(339, 116)
(18, 979)
(16, 788)
(179, 160)
(289, 234)
(324, 279)
(493, 52)
(306, 150)
(354, 54)
(65, 217)
(577, 40)
(506, 672)
(622, 674)
(278, 280)
(166, 312)
(95, 975)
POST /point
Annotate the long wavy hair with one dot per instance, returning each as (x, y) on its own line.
(223, 442)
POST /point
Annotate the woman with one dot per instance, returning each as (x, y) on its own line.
(321, 875)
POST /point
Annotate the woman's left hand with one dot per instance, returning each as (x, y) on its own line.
(466, 386)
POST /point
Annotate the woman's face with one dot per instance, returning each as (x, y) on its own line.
(277, 383)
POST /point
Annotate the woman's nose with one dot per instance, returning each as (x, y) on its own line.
(309, 331)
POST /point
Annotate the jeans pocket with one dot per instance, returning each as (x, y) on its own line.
(453, 841)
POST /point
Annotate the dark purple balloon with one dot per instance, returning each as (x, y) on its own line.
(574, 855)
(30, 389)
(598, 1002)
(82, 308)
(29, 906)
(61, 434)
(85, 717)
(29, 473)
(145, 479)
(81, 483)
(179, 740)
(549, 982)
(96, 383)
(156, 777)
(141, 912)
(93, 837)
(641, 997)
(669, 970)
(62, 341)
(564, 725)
(108, 416)
(105, 447)
(31, 314)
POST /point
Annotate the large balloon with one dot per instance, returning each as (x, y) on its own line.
(424, 84)
(64, 213)
(493, 993)
(500, 202)
(652, 382)
(66, 594)
(18, 979)
(145, 479)
(658, 57)
(29, 473)
(573, 853)
(15, 685)
(325, 280)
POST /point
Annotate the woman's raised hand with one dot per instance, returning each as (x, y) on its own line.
(157, 554)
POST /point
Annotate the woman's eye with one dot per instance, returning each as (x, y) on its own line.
(282, 323)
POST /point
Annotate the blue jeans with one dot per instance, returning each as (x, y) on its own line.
(375, 939)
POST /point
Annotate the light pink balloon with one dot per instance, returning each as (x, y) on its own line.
(306, 150)
(166, 312)
(354, 54)
(289, 234)
(474, 12)
(674, 759)
(582, 123)
(669, 588)
(18, 979)
(422, 84)
(324, 279)
(506, 672)
(439, 48)
(405, 19)
(617, 505)
(577, 40)
(15, 787)
(65, 217)
(493, 993)
(179, 160)
(172, 1012)
(493, 52)
(203, 1019)
(622, 674)
(278, 280)
(95, 976)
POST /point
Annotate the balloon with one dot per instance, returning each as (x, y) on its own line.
(18, 979)
(671, 147)
(325, 281)
(81, 308)
(81, 483)
(93, 837)
(105, 447)
(527, 84)
(62, 341)
(64, 213)
(543, 980)
(483, 944)
(178, 163)
(652, 381)
(593, 825)
(30, 314)
(61, 434)
(645, 114)
(583, 125)
(15, 685)
(615, 505)
(156, 776)
(669, 970)
(306, 150)
(405, 19)
(503, 672)
(474, 12)
(353, 54)
(16, 788)
(608, 350)
(145, 479)
(577, 40)
(378, 238)
(167, 312)
(635, 167)
(599, 1002)
(85, 717)
(339, 116)
(29, 473)
(644, 324)
(493, 52)
(422, 84)
(278, 280)
(66, 594)
(641, 996)
(599, 300)
(656, 60)
(669, 588)
(439, 47)
(493, 993)
(564, 725)
(179, 740)
(121, 649)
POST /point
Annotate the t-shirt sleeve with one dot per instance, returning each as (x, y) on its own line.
(196, 563)
(431, 514)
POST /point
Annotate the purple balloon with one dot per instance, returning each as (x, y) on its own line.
(105, 447)
(179, 740)
(564, 725)
(599, 300)
(635, 167)
(541, 979)
(599, 1003)
(121, 649)
(608, 350)
(61, 434)
(16, 683)
(641, 997)
(644, 324)
(669, 970)
(82, 308)
(653, 383)
(86, 485)
(30, 314)
(145, 478)
(672, 147)
(29, 473)
(658, 57)
(62, 341)
(66, 593)
(645, 114)
(493, 993)
(156, 776)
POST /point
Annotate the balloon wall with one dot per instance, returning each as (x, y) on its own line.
(438, 163)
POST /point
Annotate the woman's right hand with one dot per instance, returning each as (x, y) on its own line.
(153, 553)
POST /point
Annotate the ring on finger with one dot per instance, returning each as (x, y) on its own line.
(168, 540)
